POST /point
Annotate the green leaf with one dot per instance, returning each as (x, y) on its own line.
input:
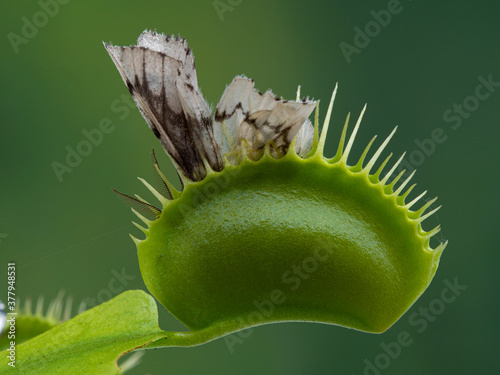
(91, 342)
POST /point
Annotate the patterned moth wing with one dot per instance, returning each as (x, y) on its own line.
(235, 104)
(199, 116)
(256, 116)
(245, 113)
(282, 124)
(160, 74)
(305, 138)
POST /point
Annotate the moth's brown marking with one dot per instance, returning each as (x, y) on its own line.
(156, 132)
(219, 117)
(178, 130)
(173, 124)
(130, 87)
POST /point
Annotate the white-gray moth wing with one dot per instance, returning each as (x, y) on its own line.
(150, 75)
(238, 100)
(305, 138)
(256, 116)
(244, 113)
(199, 121)
(283, 124)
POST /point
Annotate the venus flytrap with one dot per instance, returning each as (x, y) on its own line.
(208, 265)
(258, 199)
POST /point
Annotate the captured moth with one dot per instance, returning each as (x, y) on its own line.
(161, 77)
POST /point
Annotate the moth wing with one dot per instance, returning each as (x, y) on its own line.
(305, 138)
(284, 123)
(175, 48)
(257, 116)
(150, 76)
(237, 101)
(199, 121)
(127, 64)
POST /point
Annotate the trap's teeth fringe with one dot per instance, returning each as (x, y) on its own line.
(359, 166)
(322, 139)
(139, 203)
(160, 184)
(167, 192)
(144, 230)
(58, 310)
(345, 154)
(163, 200)
(143, 219)
(377, 154)
(403, 184)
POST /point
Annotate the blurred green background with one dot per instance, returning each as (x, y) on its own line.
(73, 234)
